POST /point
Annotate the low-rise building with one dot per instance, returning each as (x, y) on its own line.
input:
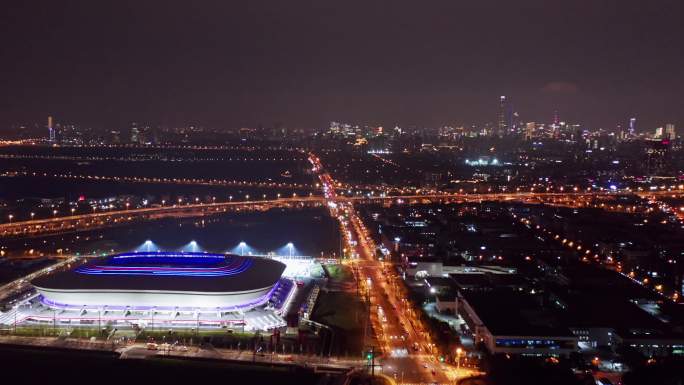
(508, 322)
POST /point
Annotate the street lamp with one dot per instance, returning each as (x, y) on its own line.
(458, 359)
(10, 217)
(33, 215)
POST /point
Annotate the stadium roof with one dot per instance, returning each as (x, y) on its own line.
(167, 271)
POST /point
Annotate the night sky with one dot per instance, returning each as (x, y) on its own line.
(413, 63)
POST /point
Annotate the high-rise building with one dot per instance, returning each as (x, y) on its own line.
(334, 127)
(669, 132)
(134, 132)
(632, 126)
(658, 156)
(658, 133)
(116, 136)
(529, 130)
(51, 130)
(502, 123)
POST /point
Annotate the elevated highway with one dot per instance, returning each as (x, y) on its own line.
(95, 220)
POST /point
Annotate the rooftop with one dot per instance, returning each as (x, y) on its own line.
(508, 313)
(192, 272)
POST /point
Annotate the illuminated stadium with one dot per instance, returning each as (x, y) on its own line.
(138, 281)
(164, 289)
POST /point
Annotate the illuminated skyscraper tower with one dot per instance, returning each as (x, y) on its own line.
(632, 127)
(502, 115)
(51, 130)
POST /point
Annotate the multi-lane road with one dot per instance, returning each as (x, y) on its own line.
(104, 219)
(404, 349)
(62, 224)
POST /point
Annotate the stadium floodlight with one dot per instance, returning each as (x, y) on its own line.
(148, 246)
(290, 246)
(242, 246)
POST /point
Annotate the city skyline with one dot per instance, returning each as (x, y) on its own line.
(598, 63)
(506, 119)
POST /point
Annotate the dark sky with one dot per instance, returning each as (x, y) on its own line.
(425, 63)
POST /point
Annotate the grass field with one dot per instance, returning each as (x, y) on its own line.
(346, 314)
(339, 273)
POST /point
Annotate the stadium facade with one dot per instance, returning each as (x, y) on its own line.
(164, 281)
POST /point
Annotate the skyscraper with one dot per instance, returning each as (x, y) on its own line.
(51, 130)
(659, 133)
(529, 130)
(669, 132)
(502, 115)
(632, 126)
(134, 133)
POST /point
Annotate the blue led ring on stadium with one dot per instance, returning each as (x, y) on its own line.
(170, 264)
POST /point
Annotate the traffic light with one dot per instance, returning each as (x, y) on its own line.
(370, 357)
